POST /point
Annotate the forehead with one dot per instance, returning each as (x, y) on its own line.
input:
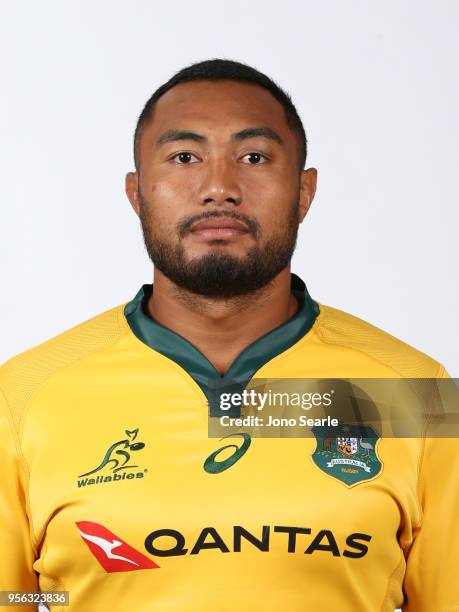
(226, 105)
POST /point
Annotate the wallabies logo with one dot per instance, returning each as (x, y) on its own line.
(118, 455)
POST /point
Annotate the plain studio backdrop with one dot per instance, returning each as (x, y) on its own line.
(374, 82)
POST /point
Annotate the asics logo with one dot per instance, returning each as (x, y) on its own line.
(213, 466)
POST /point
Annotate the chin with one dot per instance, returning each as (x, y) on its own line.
(216, 248)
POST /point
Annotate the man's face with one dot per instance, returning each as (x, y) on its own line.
(219, 192)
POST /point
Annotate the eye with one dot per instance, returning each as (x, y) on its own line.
(184, 157)
(254, 158)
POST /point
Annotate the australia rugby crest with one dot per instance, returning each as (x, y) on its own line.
(347, 452)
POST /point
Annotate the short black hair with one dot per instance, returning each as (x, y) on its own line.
(222, 70)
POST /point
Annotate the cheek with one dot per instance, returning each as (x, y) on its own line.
(155, 217)
(273, 185)
(280, 219)
(161, 194)
(171, 197)
(270, 201)
(160, 204)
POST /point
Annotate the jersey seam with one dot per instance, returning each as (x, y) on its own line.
(441, 370)
(391, 575)
(56, 580)
(23, 466)
(321, 323)
(57, 371)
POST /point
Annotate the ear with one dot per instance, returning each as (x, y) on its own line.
(132, 190)
(308, 184)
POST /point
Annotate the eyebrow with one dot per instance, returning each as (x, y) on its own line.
(176, 135)
(264, 132)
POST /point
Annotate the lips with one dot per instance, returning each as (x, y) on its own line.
(219, 228)
(219, 223)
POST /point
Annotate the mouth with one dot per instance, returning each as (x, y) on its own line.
(219, 228)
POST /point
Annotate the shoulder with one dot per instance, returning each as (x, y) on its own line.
(22, 374)
(341, 329)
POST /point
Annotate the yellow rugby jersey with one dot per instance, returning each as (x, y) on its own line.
(112, 490)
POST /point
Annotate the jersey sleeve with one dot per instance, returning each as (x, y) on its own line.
(16, 550)
(432, 574)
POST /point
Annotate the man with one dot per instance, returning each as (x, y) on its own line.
(111, 488)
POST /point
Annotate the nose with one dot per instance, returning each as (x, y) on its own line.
(219, 185)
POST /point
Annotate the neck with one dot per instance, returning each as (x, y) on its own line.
(222, 328)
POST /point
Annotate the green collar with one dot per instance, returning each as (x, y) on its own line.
(259, 352)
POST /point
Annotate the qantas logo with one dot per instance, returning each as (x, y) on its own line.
(102, 543)
(115, 555)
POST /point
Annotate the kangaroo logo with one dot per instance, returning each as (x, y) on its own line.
(119, 454)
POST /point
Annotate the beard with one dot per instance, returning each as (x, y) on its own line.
(218, 274)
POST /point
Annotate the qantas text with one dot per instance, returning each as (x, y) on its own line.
(294, 539)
